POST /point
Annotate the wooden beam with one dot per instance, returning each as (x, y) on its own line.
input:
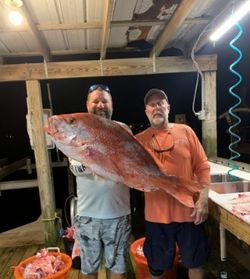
(40, 42)
(26, 235)
(112, 67)
(107, 16)
(179, 16)
(18, 184)
(53, 52)
(7, 170)
(44, 173)
(155, 22)
(98, 25)
(69, 26)
(72, 52)
(63, 163)
(209, 124)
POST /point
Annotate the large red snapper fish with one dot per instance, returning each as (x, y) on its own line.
(110, 151)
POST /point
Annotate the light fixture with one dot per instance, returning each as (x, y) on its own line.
(14, 3)
(15, 18)
(234, 18)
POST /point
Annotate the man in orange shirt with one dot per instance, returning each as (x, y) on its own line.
(168, 222)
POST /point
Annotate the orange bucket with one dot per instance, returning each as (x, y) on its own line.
(141, 268)
(62, 274)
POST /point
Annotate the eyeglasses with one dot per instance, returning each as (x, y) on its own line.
(96, 86)
(168, 143)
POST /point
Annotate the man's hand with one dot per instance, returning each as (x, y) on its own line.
(200, 211)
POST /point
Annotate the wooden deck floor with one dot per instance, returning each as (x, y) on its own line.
(23, 242)
(10, 257)
(237, 264)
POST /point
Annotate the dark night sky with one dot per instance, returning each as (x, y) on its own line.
(69, 96)
(128, 91)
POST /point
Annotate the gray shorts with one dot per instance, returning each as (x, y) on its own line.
(103, 238)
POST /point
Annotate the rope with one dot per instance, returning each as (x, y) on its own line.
(51, 219)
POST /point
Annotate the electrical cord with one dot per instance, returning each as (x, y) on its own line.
(71, 196)
(235, 138)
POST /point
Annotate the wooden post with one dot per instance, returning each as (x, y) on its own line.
(45, 181)
(209, 125)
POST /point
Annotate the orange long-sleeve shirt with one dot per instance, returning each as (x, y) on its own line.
(186, 158)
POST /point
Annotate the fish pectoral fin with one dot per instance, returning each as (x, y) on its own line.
(184, 198)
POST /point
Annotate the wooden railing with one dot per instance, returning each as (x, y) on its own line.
(22, 164)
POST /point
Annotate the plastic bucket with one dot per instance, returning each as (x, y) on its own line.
(62, 274)
(141, 265)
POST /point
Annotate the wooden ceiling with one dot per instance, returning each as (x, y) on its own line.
(63, 30)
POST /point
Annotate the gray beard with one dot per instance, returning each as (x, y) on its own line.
(159, 122)
(104, 113)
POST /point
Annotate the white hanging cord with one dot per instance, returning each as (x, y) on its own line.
(49, 97)
(45, 69)
(52, 111)
(50, 100)
(199, 75)
(200, 114)
(154, 65)
(101, 67)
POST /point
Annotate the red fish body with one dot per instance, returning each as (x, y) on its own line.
(110, 151)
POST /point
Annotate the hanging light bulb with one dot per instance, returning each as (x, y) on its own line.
(234, 18)
(15, 18)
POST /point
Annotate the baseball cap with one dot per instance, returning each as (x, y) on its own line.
(155, 91)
